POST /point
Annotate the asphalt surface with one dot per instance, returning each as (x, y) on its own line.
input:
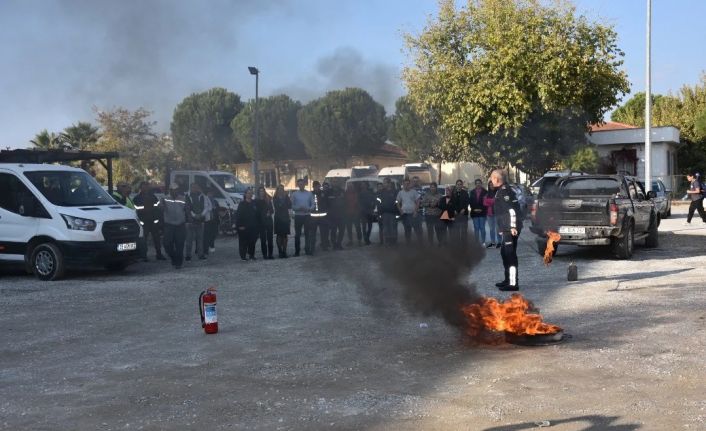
(303, 344)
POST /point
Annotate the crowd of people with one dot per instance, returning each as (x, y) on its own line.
(327, 215)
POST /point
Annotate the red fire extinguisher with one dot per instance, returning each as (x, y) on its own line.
(207, 309)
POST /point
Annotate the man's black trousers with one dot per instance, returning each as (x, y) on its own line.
(508, 251)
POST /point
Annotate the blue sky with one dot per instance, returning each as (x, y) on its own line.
(60, 58)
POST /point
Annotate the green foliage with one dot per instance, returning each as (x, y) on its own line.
(685, 110)
(143, 153)
(493, 72)
(278, 128)
(585, 159)
(80, 136)
(341, 124)
(408, 130)
(633, 111)
(46, 140)
(201, 128)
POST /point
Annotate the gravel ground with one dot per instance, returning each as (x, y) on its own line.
(302, 346)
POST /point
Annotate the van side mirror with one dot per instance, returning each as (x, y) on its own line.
(651, 194)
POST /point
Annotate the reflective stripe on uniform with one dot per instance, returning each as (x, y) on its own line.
(513, 218)
(513, 276)
(318, 214)
(137, 207)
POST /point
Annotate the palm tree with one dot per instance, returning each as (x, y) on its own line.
(79, 136)
(47, 141)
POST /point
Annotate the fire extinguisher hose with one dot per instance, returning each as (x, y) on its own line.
(203, 320)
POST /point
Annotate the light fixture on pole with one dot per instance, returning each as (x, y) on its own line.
(648, 102)
(256, 149)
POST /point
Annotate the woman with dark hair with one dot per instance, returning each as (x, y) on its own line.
(247, 224)
(263, 204)
(446, 219)
(282, 205)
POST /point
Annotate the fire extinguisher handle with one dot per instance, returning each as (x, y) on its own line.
(203, 322)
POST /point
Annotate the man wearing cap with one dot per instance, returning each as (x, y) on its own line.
(122, 195)
(695, 193)
(174, 225)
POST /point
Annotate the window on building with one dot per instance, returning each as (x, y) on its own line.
(268, 178)
(303, 173)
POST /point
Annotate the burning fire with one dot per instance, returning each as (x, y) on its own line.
(516, 315)
(552, 238)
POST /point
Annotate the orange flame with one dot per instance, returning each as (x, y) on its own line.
(515, 315)
(552, 238)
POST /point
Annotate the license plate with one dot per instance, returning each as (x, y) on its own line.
(127, 246)
(572, 230)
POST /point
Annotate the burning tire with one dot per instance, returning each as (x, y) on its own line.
(623, 247)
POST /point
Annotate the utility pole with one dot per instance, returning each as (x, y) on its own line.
(648, 102)
(256, 155)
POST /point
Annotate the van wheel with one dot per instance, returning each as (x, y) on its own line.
(116, 266)
(623, 247)
(47, 262)
(652, 239)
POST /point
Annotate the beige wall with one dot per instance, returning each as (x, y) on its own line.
(316, 168)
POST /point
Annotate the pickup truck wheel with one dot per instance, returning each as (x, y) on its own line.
(47, 262)
(542, 247)
(623, 247)
(652, 239)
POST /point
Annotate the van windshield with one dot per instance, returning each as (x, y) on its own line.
(69, 188)
(229, 183)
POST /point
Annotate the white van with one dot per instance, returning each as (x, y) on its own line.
(364, 171)
(56, 217)
(228, 190)
(395, 173)
(338, 177)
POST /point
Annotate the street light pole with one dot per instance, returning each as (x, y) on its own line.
(256, 152)
(648, 102)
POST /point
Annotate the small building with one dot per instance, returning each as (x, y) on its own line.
(621, 148)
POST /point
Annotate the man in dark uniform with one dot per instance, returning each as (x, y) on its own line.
(148, 211)
(507, 213)
(461, 200)
(335, 217)
(318, 215)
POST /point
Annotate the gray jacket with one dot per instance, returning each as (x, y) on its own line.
(174, 210)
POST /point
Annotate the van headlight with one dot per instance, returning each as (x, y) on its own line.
(78, 223)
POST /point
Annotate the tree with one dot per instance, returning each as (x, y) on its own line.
(80, 136)
(143, 153)
(686, 110)
(278, 129)
(409, 130)
(201, 128)
(341, 124)
(495, 70)
(633, 111)
(46, 140)
(585, 159)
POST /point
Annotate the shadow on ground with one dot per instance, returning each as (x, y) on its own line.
(592, 423)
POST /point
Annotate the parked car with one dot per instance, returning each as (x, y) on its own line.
(663, 198)
(589, 210)
(54, 217)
